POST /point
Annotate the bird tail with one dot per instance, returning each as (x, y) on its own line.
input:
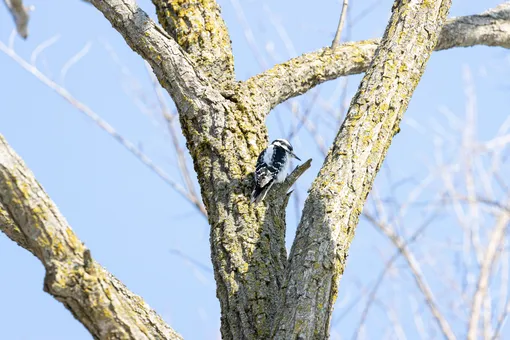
(259, 193)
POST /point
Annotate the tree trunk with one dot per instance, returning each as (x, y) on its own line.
(263, 294)
(337, 195)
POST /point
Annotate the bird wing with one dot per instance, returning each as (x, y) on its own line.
(263, 174)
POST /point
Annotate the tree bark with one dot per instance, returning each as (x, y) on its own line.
(337, 195)
(95, 298)
(197, 26)
(224, 125)
(20, 14)
(224, 136)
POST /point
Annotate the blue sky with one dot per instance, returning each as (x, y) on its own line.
(126, 215)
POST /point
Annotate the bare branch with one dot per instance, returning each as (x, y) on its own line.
(388, 265)
(341, 21)
(417, 275)
(280, 190)
(490, 28)
(175, 70)
(96, 298)
(20, 15)
(41, 47)
(105, 126)
(170, 122)
(191, 260)
(300, 74)
(497, 237)
(501, 320)
(73, 60)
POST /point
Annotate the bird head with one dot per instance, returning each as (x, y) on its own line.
(285, 145)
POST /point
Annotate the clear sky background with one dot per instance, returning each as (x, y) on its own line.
(128, 217)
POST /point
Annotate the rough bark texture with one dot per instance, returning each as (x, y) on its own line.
(491, 28)
(197, 26)
(337, 195)
(224, 125)
(224, 137)
(96, 298)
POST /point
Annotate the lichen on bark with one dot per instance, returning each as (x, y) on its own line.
(197, 26)
(262, 293)
(96, 298)
(338, 193)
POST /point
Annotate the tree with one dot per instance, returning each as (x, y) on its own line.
(263, 293)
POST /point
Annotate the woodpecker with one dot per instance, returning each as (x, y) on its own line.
(271, 167)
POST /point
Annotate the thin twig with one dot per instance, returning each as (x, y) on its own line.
(501, 321)
(338, 34)
(248, 33)
(73, 60)
(292, 178)
(41, 47)
(305, 117)
(191, 260)
(417, 275)
(309, 126)
(103, 125)
(503, 295)
(135, 90)
(387, 267)
(171, 119)
(468, 141)
(497, 237)
(281, 31)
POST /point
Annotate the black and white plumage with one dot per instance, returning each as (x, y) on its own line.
(271, 167)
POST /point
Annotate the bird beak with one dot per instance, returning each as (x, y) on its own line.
(294, 155)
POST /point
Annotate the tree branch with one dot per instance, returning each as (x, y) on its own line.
(105, 126)
(419, 278)
(341, 21)
(300, 74)
(281, 190)
(199, 29)
(373, 291)
(95, 298)
(337, 195)
(496, 238)
(20, 15)
(176, 72)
